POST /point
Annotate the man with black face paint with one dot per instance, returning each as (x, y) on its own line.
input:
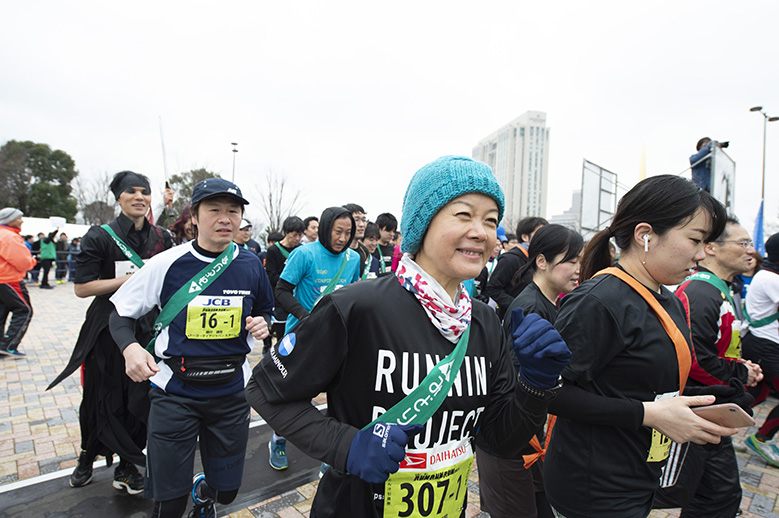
(113, 410)
(311, 272)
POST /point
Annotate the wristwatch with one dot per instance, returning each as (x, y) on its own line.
(549, 393)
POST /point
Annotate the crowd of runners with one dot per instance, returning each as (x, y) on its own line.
(570, 370)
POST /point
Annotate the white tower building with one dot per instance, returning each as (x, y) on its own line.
(518, 154)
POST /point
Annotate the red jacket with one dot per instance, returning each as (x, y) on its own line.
(15, 258)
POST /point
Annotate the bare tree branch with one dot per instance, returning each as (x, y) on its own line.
(95, 200)
(280, 200)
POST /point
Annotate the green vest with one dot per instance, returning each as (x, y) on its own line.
(48, 250)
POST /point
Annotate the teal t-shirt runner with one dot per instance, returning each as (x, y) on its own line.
(310, 269)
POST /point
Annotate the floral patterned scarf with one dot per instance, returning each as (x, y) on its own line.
(450, 318)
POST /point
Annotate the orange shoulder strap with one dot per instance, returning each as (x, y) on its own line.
(680, 344)
(523, 251)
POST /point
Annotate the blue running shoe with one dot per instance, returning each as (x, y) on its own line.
(203, 507)
(16, 354)
(278, 454)
(768, 452)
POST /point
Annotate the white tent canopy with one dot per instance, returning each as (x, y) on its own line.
(32, 226)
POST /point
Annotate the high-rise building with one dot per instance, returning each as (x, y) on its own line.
(518, 154)
(570, 218)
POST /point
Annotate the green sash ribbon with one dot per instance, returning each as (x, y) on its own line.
(282, 250)
(723, 287)
(420, 405)
(334, 281)
(716, 282)
(367, 268)
(761, 321)
(126, 250)
(734, 348)
(190, 290)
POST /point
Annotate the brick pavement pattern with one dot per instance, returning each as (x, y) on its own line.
(39, 430)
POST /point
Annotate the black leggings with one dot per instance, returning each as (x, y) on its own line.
(14, 299)
(766, 353)
(170, 508)
(46, 265)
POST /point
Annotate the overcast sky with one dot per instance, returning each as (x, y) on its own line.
(349, 99)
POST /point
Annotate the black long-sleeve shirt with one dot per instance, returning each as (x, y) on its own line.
(274, 263)
(602, 461)
(367, 363)
(285, 299)
(500, 288)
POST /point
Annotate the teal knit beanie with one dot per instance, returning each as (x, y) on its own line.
(435, 185)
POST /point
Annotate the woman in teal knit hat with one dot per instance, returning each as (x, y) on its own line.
(406, 401)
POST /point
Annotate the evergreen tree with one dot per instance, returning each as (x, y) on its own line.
(37, 180)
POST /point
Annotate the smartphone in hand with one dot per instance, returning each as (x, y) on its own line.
(726, 414)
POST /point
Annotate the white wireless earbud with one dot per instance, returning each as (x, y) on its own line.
(646, 243)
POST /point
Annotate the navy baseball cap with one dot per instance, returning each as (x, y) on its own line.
(211, 187)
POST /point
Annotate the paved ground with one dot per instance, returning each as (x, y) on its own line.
(759, 481)
(39, 431)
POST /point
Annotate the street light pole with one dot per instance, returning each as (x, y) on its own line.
(235, 151)
(758, 234)
(766, 120)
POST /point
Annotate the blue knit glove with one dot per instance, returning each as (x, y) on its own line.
(378, 451)
(540, 349)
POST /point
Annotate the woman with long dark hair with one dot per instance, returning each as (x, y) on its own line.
(620, 408)
(514, 488)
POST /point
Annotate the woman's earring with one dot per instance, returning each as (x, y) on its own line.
(646, 243)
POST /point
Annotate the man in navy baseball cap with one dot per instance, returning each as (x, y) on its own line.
(211, 187)
(197, 285)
